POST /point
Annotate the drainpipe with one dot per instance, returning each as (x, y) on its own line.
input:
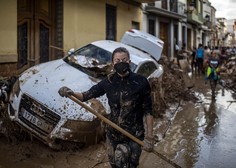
(186, 36)
(158, 27)
(171, 40)
(180, 35)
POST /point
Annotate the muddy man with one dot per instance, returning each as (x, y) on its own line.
(129, 98)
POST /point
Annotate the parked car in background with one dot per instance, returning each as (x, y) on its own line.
(36, 105)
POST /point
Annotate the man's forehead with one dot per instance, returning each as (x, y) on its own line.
(121, 54)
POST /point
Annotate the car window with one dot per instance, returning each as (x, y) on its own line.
(147, 69)
(93, 60)
(133, 66)
(100, 55)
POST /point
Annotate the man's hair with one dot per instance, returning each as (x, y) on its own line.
(120, 50)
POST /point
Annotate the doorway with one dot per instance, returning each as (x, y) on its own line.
(189, 36)
(164, 36)
(37, 28)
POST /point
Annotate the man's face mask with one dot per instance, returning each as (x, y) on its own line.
(121, 67)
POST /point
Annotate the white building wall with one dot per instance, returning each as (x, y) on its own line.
(180, 41)
(206, 9)
(145, 23)
(230, 24)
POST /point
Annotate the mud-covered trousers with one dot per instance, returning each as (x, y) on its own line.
(123, 154)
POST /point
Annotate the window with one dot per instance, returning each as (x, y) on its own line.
(110, 22)
(173, 6)
(151, 4)
(147, 69)
(164, 4)
(192, 3)
(44, 43)
(92, 60)
(93, 52)
(22, 44)
(151, 27)
(135, 25)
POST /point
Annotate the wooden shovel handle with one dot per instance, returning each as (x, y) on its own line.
(107, 121)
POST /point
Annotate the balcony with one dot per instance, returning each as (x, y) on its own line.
(176, 10)
(195, 17)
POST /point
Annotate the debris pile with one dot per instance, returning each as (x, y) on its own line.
(229, 74)
(7, 128)
(170, 89)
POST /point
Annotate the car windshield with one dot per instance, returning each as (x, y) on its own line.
(92, 60)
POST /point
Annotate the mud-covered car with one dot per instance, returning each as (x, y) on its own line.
(36, 105)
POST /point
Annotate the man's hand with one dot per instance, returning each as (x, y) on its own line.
(65, 91)
(148, 144)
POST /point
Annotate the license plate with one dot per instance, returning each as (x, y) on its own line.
(37, 121)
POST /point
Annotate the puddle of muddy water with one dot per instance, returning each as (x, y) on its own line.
(202, 134)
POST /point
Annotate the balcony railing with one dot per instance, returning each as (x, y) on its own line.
(174, 9)
(174, 6)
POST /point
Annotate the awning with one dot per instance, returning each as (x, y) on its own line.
(163, 12)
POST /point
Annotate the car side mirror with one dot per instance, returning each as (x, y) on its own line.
(71, 51)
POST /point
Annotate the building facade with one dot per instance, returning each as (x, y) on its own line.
(165, 19)
(39, 31)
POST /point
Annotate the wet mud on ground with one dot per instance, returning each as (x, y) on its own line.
(202, 133)
(198, 134)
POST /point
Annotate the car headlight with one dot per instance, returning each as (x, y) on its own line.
(16, 88)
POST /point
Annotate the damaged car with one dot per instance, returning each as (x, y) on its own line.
(36, 106)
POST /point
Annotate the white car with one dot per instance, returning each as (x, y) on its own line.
(36, 105)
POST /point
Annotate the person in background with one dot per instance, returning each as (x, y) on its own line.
(177, 49)
(200, 58)
(217, 52)
(223, 56)
(129, 98)
(193, 60)
(213, 72)
(207, 54)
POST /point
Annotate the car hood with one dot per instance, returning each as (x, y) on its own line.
(43, 81)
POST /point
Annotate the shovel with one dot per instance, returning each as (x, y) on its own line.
(73, 97)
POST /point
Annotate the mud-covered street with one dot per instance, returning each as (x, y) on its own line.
(191, 134)
(202, 134)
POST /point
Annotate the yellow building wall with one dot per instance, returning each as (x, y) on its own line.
(85, 21)
(8, 31)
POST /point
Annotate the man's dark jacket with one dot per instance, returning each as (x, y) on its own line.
(129, 98)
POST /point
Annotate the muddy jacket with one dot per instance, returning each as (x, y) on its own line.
(129, 99)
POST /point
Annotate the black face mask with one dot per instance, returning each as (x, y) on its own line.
(121, 67)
